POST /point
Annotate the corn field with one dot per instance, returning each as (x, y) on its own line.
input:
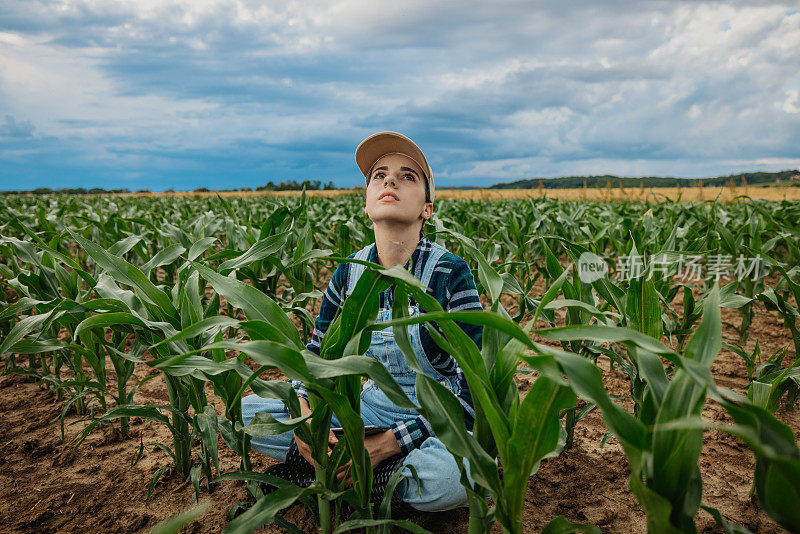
(214, 298)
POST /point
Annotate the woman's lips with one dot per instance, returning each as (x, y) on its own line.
(389, 198)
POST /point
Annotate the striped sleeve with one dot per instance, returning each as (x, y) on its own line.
(332, 298)
(411, 434)
(454, 288)
(464, 296)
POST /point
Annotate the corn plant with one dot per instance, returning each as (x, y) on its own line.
(332, 380)
(333, 383)
(774, 300)
(519, 433)
(663, 443)
(150, 310)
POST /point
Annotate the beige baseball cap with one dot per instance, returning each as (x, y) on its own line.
(374, 147)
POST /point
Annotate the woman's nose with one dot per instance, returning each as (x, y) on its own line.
(389, 179)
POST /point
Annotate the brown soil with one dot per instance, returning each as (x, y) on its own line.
(45, 487)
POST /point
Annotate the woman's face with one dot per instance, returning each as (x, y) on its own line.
(396, 191)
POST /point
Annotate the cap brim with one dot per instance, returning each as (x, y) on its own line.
(378, 145)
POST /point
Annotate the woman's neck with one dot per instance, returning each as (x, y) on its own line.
(395, 245)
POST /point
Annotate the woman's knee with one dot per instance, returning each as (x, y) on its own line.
(252, 404)
(272, 446)
(439, 485)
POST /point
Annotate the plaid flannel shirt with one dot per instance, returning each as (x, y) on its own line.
(453, 285)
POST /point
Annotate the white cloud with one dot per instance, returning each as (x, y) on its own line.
(64, 93)
(792, 102)
(783, 163)
(513, 89)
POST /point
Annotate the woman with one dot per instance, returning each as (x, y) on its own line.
(399, 199)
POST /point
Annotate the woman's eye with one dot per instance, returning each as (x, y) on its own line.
(410, 177)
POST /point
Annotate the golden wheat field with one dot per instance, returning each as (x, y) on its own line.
(689, 194)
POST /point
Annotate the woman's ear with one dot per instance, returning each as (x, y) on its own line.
(427, 211)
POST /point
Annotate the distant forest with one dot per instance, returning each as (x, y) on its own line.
(572, 182)
(288, 185)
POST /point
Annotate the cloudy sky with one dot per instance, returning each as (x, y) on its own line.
(223, 94)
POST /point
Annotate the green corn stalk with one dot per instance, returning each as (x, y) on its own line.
(582, 308)
(268, 323)
(663, 443)
(332, 380)
(519, 433)
(165, 317)
(664, 475)
(773, 300)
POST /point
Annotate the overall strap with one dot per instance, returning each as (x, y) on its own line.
(433, 257)
(437, 251)
(355, 270)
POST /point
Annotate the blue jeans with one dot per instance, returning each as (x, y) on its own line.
(439, 485)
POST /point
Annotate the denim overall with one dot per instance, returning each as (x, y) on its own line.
(384, 349)
(439, 485)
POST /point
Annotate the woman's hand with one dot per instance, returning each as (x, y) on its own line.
(302, 446)
(379, 446)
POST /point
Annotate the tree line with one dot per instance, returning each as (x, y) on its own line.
(286, 185)
(605, 180)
